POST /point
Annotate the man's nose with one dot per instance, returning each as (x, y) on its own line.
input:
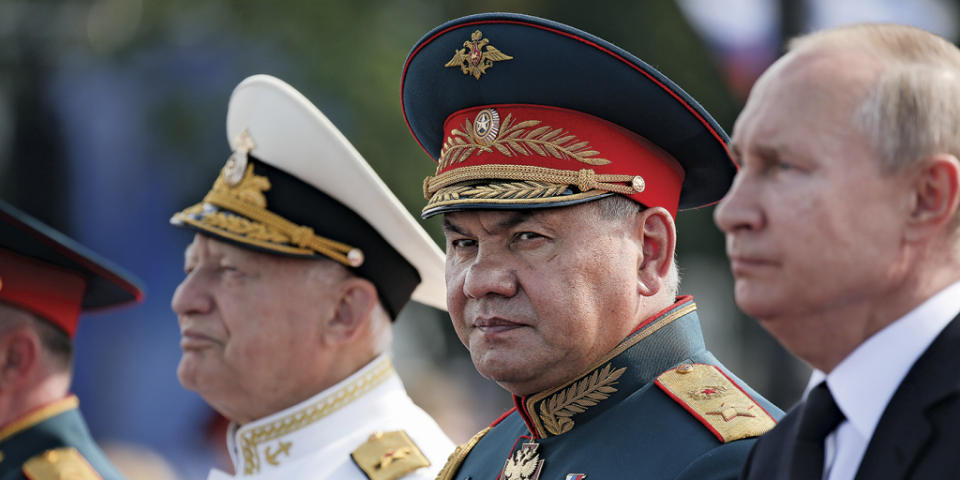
(492, 273)
(192, 296)
(739, 209)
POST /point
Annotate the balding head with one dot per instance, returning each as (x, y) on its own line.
(844, 214)
(910, 109)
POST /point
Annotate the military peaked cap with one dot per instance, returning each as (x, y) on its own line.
(522, 112)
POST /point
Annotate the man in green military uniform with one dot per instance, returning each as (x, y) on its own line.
(562, 163)
(46, 281)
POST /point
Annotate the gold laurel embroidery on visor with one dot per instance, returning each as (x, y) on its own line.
(251, 440)
(260, 227)
(473, 61)
(556, 412)
(515, 139)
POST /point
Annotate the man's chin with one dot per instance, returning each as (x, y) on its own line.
(191, 372)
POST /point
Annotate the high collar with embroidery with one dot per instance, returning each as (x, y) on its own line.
(38, 415)
(623, 370)
(269, 437)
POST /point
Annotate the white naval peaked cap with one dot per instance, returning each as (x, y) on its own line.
(295, 186)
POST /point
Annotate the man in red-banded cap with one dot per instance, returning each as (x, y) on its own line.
(302, 260)
(558, 183)
(46, 281)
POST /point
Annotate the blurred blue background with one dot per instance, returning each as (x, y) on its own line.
(112, 117)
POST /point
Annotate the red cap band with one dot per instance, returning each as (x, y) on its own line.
(559, 139)
(53, 293)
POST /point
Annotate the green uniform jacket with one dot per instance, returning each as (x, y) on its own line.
(54, 440)
(658, 406)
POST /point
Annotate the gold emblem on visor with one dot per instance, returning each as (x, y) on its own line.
(472, 60)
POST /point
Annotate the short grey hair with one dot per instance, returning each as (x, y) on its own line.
(618, 209)
(913, 109)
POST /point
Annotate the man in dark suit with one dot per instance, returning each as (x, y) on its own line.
(46, 281)
(842, 231)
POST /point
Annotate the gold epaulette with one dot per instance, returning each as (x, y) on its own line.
(60, 463)
(457, 457)
(388, 456)
(719, 403)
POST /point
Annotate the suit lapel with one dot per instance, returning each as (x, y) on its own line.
(905, 428)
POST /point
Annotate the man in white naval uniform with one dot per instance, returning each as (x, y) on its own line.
(301, 260)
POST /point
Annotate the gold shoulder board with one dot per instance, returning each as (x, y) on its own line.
(60, 463)
(388, 456)
(719, 403)
(459, 455)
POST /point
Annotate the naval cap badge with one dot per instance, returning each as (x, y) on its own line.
(236, 166)
(472, 60)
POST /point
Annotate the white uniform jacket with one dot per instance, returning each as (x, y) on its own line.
(320, 437)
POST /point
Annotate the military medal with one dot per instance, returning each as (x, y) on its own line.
(576, 476)
(525, 464)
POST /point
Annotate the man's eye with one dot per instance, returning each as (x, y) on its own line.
(528, 236)
(230, 270)
(463, 243)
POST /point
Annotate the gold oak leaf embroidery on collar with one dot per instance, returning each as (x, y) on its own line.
(557, 410)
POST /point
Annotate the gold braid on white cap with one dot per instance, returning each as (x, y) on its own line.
(261, 227)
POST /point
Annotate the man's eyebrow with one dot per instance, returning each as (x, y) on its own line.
(189, 254)
(448, 226)
(515, 219)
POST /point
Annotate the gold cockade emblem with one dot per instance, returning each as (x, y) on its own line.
(472, 60)
(525, 464)
(236, 165)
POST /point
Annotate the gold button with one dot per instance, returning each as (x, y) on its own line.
(685, 368)
(638, 184)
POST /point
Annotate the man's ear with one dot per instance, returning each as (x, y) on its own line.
(659, 236)
(936, 196)
(19, 357)
(358, 297)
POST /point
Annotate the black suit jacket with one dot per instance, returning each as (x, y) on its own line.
(918, 436)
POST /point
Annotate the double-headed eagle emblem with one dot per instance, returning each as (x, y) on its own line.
(525, 464)
(472, 60)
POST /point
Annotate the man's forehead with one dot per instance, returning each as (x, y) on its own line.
(495, 220)
(204, 246)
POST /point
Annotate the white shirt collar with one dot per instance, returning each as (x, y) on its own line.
(865, 381)
(261, 441)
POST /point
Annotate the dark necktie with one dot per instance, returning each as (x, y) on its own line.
(819, 417)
